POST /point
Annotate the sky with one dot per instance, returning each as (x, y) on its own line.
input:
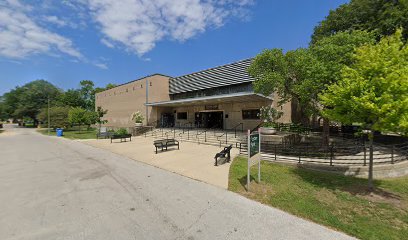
(117, 41)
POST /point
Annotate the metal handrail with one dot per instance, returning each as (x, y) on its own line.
(167, 133)
(256, 128)
(235, 128)
(226, 137)
(205, 134)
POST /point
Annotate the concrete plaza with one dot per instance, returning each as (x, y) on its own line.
(192, 160)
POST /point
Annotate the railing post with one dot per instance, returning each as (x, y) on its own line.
(174, 134)
(188, 134)
(392, 154)
(205, 136)
(226, 138)
(299, 155)
(275, 152)
(331, 154)
(365, 155)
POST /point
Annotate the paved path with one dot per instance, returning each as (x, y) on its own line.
(54, 188)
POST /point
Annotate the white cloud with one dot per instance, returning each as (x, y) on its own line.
(107, 43)
(21, 36)
(140, 24)
(101, 65)
(55, 20)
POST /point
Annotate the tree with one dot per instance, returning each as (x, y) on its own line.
(28, 100)
(382, 17)
(107, 87)
(100, 112)
(79, 116)
(334, 52)
(373, 91)
(72, 98)
(58, 117)
(88, 94)
(292, 76)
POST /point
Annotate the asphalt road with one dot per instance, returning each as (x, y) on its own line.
(52, 188)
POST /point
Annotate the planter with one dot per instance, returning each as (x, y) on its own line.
(138, 124)
(267, 131)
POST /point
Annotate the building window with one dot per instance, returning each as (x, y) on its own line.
(141, 85)
(150, 84)
(182, 115)
(250, 114)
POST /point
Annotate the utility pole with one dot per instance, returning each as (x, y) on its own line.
(48, 116)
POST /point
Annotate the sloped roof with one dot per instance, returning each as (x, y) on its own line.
(229, 74)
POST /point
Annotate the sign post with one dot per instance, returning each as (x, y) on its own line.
(254, 155)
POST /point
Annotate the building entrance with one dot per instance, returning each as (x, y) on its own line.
(209, 119)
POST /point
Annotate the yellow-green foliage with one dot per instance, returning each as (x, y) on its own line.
(374, 90)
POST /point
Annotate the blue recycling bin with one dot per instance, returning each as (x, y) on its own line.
(60, 132)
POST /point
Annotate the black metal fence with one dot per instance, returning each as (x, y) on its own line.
(342, 150)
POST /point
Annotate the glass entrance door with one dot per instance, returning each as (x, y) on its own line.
(209, 119)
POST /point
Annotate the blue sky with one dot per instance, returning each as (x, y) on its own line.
(111, 41)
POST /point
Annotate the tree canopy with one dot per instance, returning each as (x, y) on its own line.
(292, 76)
(28, 100)
(374, 90)
(383, 17)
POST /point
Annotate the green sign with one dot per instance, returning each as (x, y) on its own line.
(253, 144)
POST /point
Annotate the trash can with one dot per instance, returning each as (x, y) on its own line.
(60, 132)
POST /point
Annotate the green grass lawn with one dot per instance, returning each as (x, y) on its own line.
(74, 133)
(340, 202)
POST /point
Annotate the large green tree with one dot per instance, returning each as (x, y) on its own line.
(373, 91)
(88, 94)
(27, 101)
(292, 76)
(72, 98)
(382, 17)
(58, 117)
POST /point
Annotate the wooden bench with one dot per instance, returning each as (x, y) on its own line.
(225, 153)
(122, 137)
(165, 143)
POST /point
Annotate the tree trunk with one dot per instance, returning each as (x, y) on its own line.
(371, 162)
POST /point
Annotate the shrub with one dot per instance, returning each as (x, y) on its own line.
(137, 117)
(121, 131)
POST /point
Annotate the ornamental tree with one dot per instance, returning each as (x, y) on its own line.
(373, 91)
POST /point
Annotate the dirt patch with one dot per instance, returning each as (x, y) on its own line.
(378, 195)
(259, 191)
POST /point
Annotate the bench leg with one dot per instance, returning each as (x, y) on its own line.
(216, 162)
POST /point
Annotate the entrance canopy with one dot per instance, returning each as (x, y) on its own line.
(226, 98)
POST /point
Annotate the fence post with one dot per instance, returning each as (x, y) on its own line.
(205, 136)
(365, 155)
(331, 154)
(174, 134)
(226, 138)
(299, 156)
(392, 154)
(275, 152)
